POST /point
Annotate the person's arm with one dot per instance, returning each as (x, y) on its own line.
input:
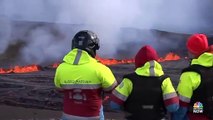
(170, 97)
(57, 82)
(107, 78)
(120, 94)
(189, 81)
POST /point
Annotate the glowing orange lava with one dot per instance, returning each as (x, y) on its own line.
(113, 61)
(20, 69)
(170, 57)
(33, 68)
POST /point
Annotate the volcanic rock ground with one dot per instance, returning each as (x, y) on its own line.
(31, 96)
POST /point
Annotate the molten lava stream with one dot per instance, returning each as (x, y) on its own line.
(24, 69)
(113, 61)
(170, 57)
(5, 71)
(20, 69)
(33, 68)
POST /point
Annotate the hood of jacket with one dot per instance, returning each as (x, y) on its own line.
(205, 59)
(150, 68)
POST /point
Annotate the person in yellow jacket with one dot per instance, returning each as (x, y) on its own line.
(146, 93)
(82, 79)
(195, 88)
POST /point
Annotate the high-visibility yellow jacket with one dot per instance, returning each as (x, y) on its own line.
(151, 68)
(83, 78)
(189, 81)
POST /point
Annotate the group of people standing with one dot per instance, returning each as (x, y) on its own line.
(145, 94)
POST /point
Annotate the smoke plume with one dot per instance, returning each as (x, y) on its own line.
(46, 27)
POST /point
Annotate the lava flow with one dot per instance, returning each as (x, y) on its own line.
(33, 68)
(170, 57)
(21, 69)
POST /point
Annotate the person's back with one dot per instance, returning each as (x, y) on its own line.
(145, 100)
(147, 92)
(82, 79)
(196, 81)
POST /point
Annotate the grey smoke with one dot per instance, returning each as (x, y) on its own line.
(107, 18)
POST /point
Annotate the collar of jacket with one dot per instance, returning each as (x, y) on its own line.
(78, 57)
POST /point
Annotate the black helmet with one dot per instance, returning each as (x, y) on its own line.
(86, 40)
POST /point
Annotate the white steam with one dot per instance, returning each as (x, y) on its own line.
(42, 46)
(5, 33)
(107, 18)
